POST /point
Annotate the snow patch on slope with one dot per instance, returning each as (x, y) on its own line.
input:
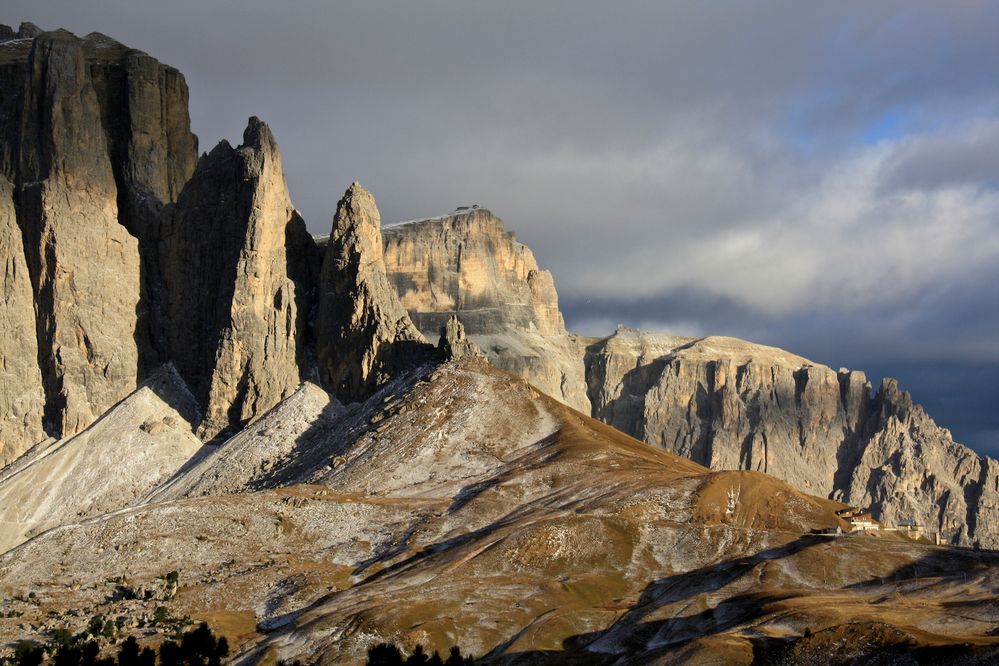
(132, 448)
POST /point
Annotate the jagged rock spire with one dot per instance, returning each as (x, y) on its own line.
(239, 267)
(454, 344)
(364, 335)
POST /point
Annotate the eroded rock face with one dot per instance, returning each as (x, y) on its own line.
(909, 468)
(22, 399)
(142, 110)
(467, 264)
(84, 265)
(454, 344)
(153, 153)
(238, 268)
(95, 138)
(363, 334)
(730, 404)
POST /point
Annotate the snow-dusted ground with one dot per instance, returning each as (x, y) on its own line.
(461, 506)
(266, 453)
(134, 447)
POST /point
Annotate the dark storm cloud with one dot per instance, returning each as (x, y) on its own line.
(822, 176)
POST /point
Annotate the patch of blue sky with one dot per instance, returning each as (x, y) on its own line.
(891, 125)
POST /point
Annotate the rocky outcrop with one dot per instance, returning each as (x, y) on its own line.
(95, 138)
(730, 404)
(363, 334)
(238, 268)
(726, 403)
(467, 264)
(99, 146)
(909, 468)
(144, 112)
(22, 399)
(453, 343)
(144, 108)
(84, 265)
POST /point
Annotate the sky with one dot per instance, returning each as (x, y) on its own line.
(823, 177)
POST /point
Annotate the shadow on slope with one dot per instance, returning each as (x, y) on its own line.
(681, 638)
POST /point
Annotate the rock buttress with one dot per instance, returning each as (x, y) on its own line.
(364, 335)
(238, 269)
(22, 398)
(95, 138)
(84, 265)
(467, 264)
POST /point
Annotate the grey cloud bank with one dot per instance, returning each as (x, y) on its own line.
(823, 177)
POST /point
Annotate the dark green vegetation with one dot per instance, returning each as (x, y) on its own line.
(197, 647)
(868, 643)
(389, 655)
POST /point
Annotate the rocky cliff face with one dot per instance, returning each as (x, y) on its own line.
(144, 113)
(364, 335)
(467, 264)
(84, 265)
(22, 398)
(95, 139)
(725, 403)
(908, 468)
(730, 404)
(238, 271)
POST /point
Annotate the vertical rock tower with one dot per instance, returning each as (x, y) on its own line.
(94, 141)
(364, 335)
(238, 268)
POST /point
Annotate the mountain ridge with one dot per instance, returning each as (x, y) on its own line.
(723, 402)
(200, 392)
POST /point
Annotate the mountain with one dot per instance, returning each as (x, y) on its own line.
(209, 415)
(238, 274)
(725, 403)
(94, 140)
(468, 264)
(458, 505)
(364, 335)
(730, 404)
